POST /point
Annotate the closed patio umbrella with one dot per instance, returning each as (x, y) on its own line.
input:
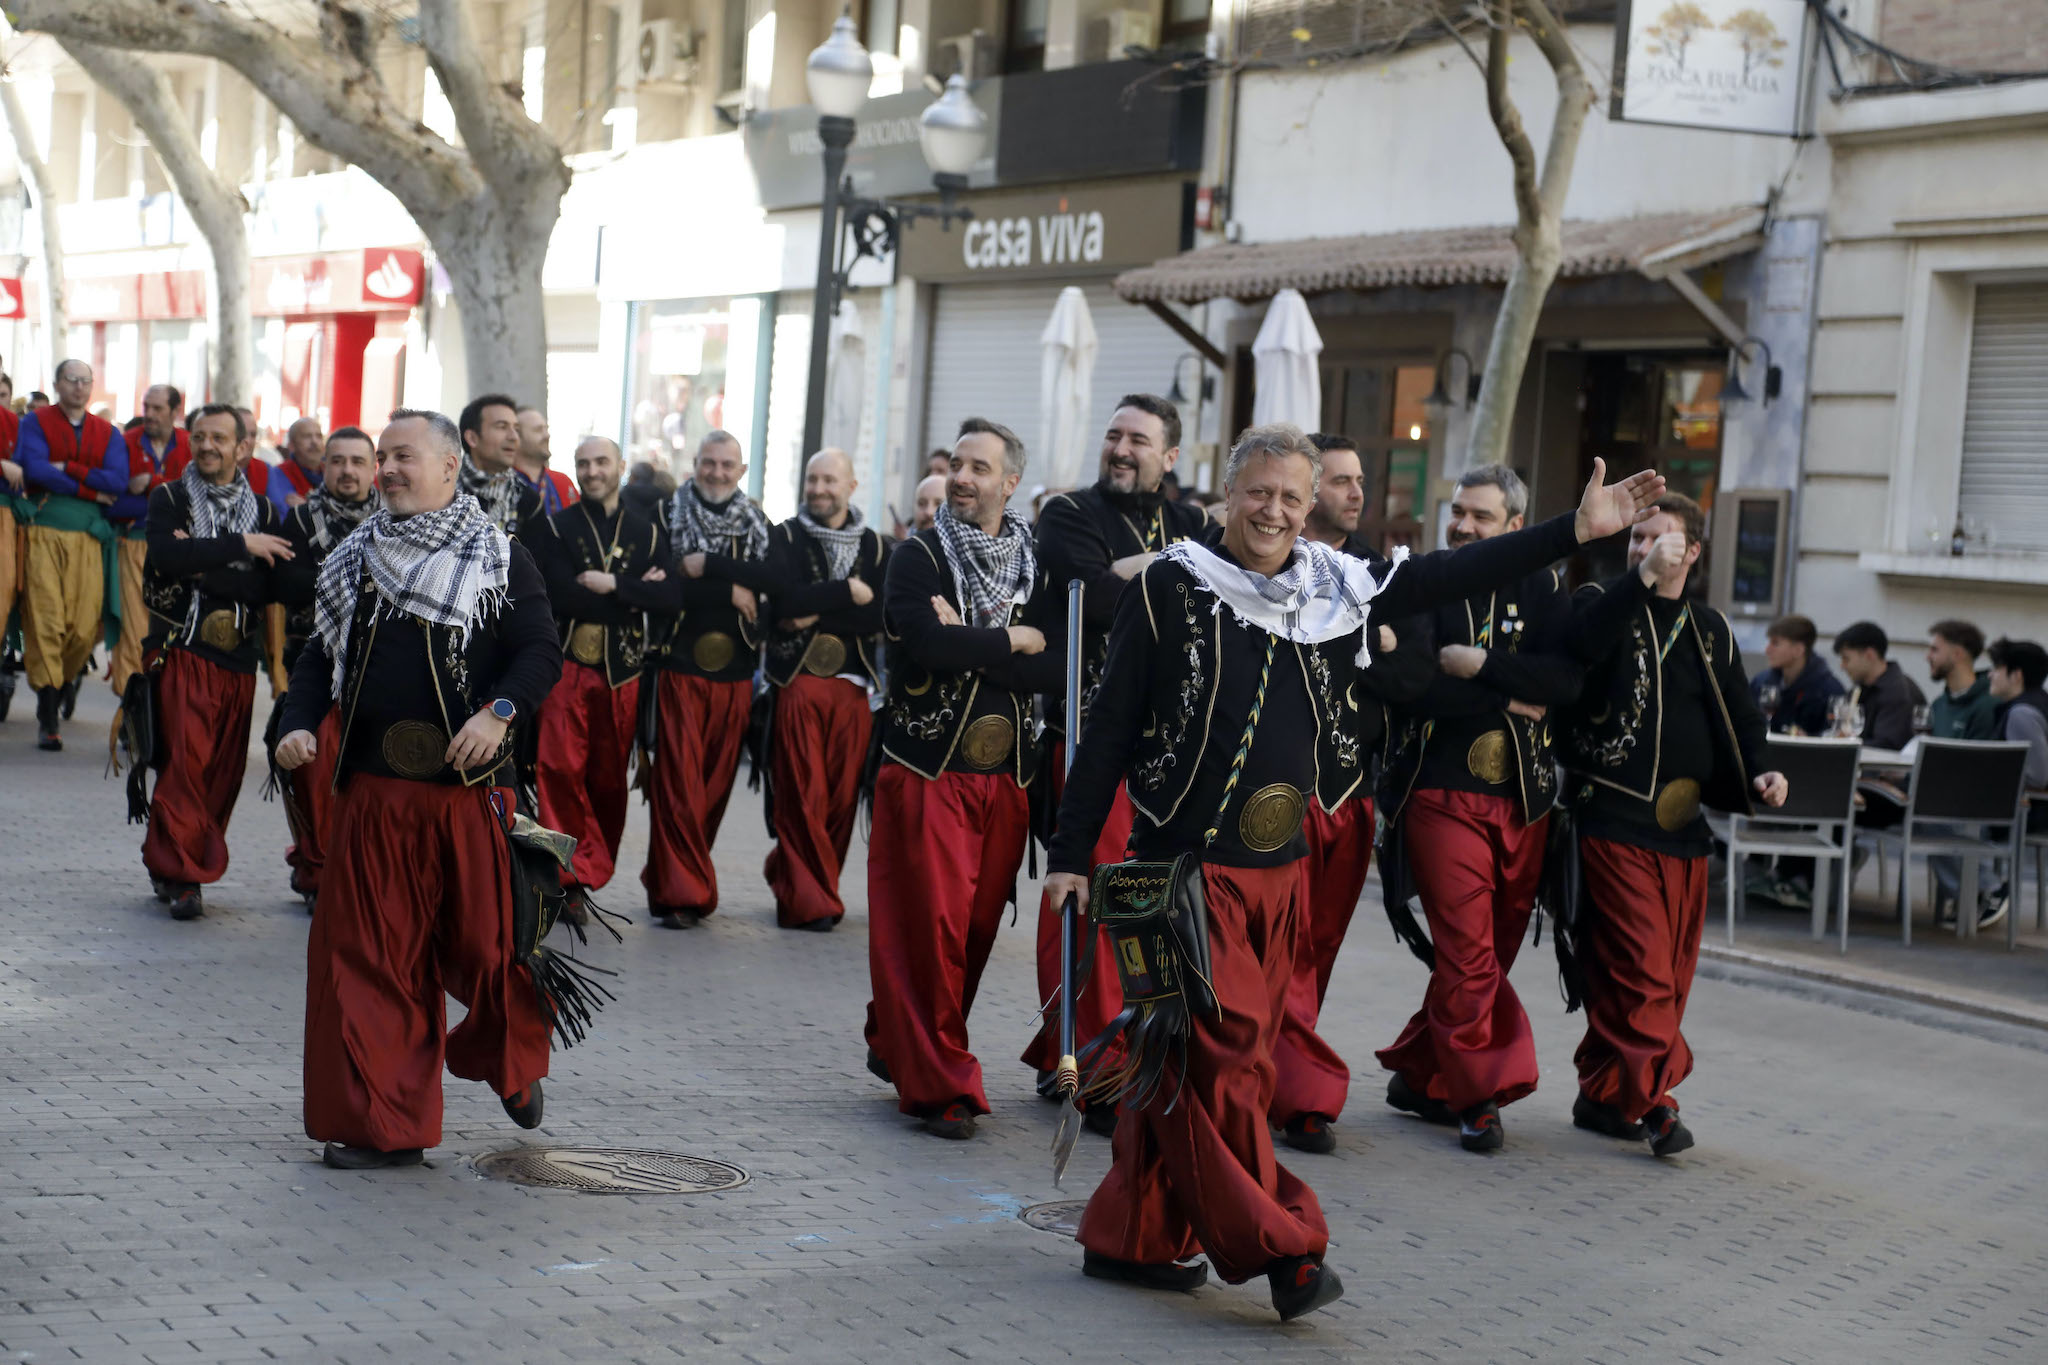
(1284, 357)
(1066, 379)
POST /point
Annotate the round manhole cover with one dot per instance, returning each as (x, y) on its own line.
(611, 1170)
(1063, 1217)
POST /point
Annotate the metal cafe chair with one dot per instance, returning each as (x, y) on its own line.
(1962, 782)
(1813, 823)
(2035, 842)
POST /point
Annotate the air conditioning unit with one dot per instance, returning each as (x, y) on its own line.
(664, 56)
(1119, 29)
(973, 55)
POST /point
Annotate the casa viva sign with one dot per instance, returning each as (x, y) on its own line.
(1038, 234)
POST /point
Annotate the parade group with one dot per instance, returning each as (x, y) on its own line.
(468, 637)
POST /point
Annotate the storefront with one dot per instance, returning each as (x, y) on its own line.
(331, 336)
(137, 330)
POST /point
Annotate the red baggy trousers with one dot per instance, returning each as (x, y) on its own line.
(309, 806)
(942, 864)
(698, 738)
(1476, 867)
(1203, 1177)
(1310, 1077)
(203, 713)
(1641, 945)
(586, 740)
(820, 742)
(416, 903)
(1102, 994)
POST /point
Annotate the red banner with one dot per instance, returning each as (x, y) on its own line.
(13, 300)
(374, 280)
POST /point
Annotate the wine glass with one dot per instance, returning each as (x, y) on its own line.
(1850, 722)
(1923, 719)
(1767, 696)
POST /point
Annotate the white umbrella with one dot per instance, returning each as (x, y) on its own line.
(846, 380)
(1289, 381)
(1066, 379)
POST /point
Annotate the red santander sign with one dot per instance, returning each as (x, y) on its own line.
(13, 299)
(370, 281)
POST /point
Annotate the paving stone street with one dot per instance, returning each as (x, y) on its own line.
(1869, 1184)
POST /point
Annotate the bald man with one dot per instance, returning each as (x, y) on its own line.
(555, 489)
(931, 496)
(303, 466)
(598, 562)
(824, 642)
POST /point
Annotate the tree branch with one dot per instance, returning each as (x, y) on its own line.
(1574, 99)
(509, 148)
(1507, 120)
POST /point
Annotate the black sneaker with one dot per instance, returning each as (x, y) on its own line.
(524, 1108)
(1991, 906)
(1309, 1133)
(1302, 1284)
(1184, 1277)
(954, 1122)
(1403, 1097)
(1667, 1133)
(1479, 1128)
(186, 902)
(879, 1068)
(1100, 1119)
(1605, 1120)
(343, 1158)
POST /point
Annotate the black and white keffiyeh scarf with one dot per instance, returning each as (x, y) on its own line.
(218, 509)
(1321, 595)
(841, 544)
(333, 518)
(696, 526)
(447, 568)
(497, 494)
(991, 571)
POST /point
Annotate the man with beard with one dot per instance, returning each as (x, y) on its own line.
(823, 648)
(490, 438)
(967, 634)
(345, 496)
(1105, 536)
(212, 546)
(1468, 794)
(718, 538)
(1222, 709)
(73, 465)
(1664, 726)
(599, 554)
(300, 471)
(432, 631)
(157, 451)
(555, 489)
(1311, 1081)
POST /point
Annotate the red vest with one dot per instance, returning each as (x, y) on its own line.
(301, 482)
(64, 443)
(10, 431)
(175, 459)
(258, 474)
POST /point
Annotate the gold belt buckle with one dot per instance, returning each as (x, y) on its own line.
(1487, 759)
(586, 644)
(415, 749)
(1678, 805)
(713, 651)
(1271, 817)
(826, 657)
(219, 631)
(987, 742)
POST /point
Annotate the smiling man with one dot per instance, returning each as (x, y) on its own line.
(1201, 715)
(213, 546)
(158, 451)
(490, 440)
(432, 631)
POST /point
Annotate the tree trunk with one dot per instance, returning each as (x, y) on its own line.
(56, 324)
(493, 262)
(214, 203)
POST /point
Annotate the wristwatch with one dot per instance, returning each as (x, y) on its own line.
(504, 710)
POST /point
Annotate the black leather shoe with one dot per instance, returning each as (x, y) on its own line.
(186, 902)
(68, 700)
(1100, 1119)
(955, 1122)
(879, 1068)
(1309, 1133)
(1604, 1119)
(343, 1158)
(1479, 1128)
(1182, 1277)
(1403, 1097)
(1302, 1284)
(677, 919)
(821, 925)
(1668, 1135)
(161, 887)
(524, 1107)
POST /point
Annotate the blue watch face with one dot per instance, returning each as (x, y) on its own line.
(503, 709)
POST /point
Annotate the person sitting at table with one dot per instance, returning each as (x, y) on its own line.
(1964, 708)
(1879, 688)
(1805, 686)
(2019, 673)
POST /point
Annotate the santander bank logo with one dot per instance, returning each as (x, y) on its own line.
(390, 280)
(10, 299)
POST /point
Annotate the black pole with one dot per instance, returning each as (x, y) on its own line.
(837, 135)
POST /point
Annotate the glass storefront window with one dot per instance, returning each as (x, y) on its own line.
(692, 370)
(1380, 405)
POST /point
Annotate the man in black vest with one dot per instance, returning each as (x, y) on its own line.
(1201, 714)
(1469, 794)
(1664, 726)
(1103, 535)
(966, 622)
(490, 439)
(212, 546)
(824, 644)
(595, 559)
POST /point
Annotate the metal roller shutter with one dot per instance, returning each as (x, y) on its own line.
(2005, 417)
(984, 359)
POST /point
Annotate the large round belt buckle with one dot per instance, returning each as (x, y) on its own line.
(1487, 759)
(1678, 805)
(826, 658)
(415, 749)
(1271, 818)
(713, 651)
(586, 644)
(987, 742)
(219, 631)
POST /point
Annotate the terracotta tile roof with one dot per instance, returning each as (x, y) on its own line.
(1440, 256)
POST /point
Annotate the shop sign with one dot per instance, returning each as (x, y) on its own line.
(1734, 65)
(103, 298)
(1048, 234)
(885, 160)
(374, 280)
(13, 301)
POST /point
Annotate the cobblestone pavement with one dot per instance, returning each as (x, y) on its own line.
(1867, 1188)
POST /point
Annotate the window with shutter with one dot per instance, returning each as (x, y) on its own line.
(2004, 495)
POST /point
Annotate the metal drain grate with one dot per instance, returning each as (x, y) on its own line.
(1063, 1217)
(611, 1170)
